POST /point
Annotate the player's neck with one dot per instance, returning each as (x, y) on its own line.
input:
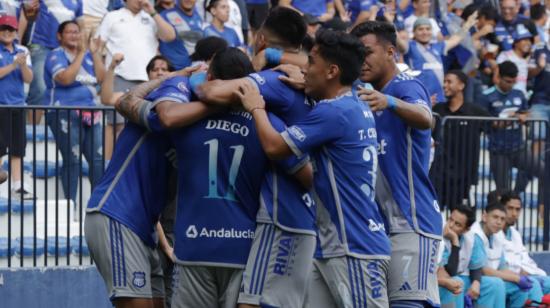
(335, 91)
(388, 76)
(486, 230)
(218, 24)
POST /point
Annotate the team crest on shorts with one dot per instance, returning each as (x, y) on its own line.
(139, 279)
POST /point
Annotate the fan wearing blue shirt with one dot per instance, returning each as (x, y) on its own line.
(124, 207)
(322, 9)
(352, 248)
(507, 144)
(361, 10)
(402, 110)
(426, 57)
(220, 15)
(72, 72)
(509, 22)
(42, 39)
(188, 25)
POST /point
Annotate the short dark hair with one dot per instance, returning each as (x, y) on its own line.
(493, 196)
(460, 75)
(537, 11)
(469, 212)
(287, 25)
(210, 4)
(384, 31)
(64, 25)
(207, 47)
(494, 206)
(344, 50)
(151, 63)
(488, 12)
(509, 195)
(230, 63)
(508, 69)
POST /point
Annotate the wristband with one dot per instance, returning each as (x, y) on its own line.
(273, 56)
(196, 80)
(392, 104)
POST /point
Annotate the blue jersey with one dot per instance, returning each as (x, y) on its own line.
(541, 91)
(228, 34)
(505, 30)
(188, 33)
(221, 165)
(358, 6)
(340, 136)
(51, 14)
(313, 7)
(82, 92)
(505, 105)
(12, 84)
(478, 258)
(133, 189)
(403, 189)
(429, 61)
(287, 103)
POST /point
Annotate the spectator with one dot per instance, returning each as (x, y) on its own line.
(72, 73)
(519, 55)
(389, 12)
(427, 57)
(94, 10)
(238, 18)
(132, 31)
(220, 13)
(362, 10)
(540, 100)
(162, 5)
(322, 9)
(540, 17)
(507, 146)
(257, 13)
(206, 48)
(187, 23)
(422, 9)
(457, 151)
(43, 39)
(509, 21)
(15, 70)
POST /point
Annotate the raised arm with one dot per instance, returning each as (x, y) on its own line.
(456, 38)
(165, 31)
(220, 92)
(108, 96)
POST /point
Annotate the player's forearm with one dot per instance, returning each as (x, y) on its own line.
(99, 66)
(413, 115)
(132, 105)
(175, 115)
(305, 176)
(502, 274)
(272, 142)
(163, 241)
(68, 75)
(107, 87)
(27, 74)
(218, 92)
(166, 32)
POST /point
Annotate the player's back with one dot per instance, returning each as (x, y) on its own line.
(221, 165)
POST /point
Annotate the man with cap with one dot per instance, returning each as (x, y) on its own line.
(509, 22)
(423, 55)
(15, 70)
(519, 54)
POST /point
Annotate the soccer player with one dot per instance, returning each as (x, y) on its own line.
(124, 207)
(519, 288)
(402, 111)
(463, 259)
(353, 249)
(212, 251)
(516, 255)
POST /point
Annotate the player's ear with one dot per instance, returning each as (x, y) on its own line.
(333, 71)
(390, 51)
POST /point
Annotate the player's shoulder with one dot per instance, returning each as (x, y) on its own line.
(264, 76)
(404, 83)
(489, 91)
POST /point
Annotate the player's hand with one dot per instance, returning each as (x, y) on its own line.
(147, 6)
(449, 234)
(20, 59)
(486, 29)
(541, 61)
(82, 46)
(117, 59)
(376, 100)
(474, 290)
(250, 97)
(455, 286)
(96, 44)
(169, 252)
(188, 71)
(470, 22)
(294, 76)
(259, 61)
(522, 117)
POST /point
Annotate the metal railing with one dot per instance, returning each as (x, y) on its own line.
(65, 156)
(478, 158)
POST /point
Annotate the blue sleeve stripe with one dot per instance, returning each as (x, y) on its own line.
(123, 257)
(111, 237)
(291, 144)
(270, 245)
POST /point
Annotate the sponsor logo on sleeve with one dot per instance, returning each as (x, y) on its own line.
(297, 133)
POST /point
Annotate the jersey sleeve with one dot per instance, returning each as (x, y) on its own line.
(276, 94)
(293, 163)
(414, 94)
(322, 124)
(175, 90)
(55, 63)
(79, 10)
(478, 258)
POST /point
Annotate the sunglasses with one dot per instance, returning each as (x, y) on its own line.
(7, 28)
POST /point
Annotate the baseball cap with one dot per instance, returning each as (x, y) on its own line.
(422, 21)
(7, 20)
(521, 33)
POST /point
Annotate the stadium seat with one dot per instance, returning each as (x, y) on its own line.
(40, 133)
(28, 246)
(46, 169)
(484, 171)
(62, 249)
(28, 206)
(27, 166)
(75, 246)
(4, 248)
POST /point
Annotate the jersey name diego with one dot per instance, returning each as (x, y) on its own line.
(133, 190)
(403, 189)
(340, 136)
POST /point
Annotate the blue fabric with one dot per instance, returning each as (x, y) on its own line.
(178, 51)
(356, 7)
(62, 249)
(541, 90)
(28, 246)
(51, 14)
(75, 246)
(12, 84)
(228, 34)
(504, 31)
(37, 86)
(340, 136)
(492, 292)
(428, 77)
(313, 7)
